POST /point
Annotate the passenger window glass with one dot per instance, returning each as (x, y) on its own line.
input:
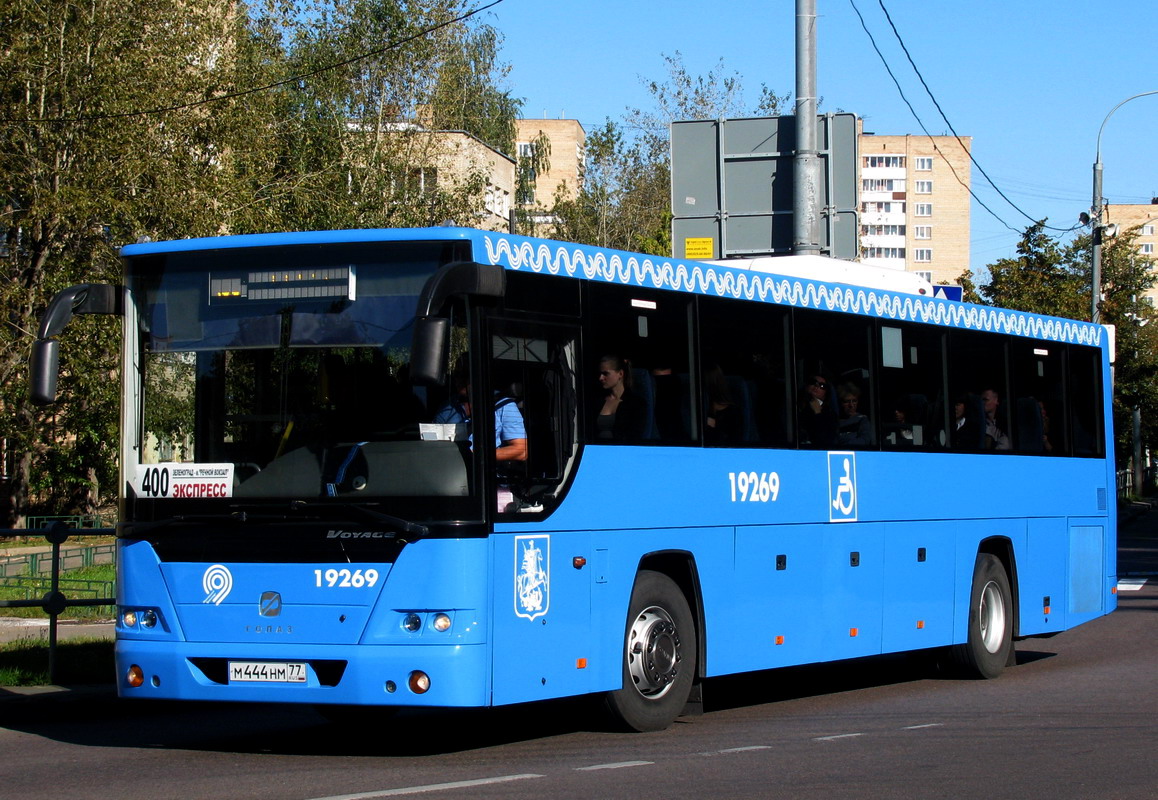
(979, 398)
(641, 339)
(1039, 396)
(911, 390)
(1086, 430)
(746, 387)
(833, 362)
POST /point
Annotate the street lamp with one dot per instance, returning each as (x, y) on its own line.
(1095, 219)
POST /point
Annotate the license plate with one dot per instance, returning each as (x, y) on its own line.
(267, 672)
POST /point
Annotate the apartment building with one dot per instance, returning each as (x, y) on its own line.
(914, 204)
(461, 155)
(564, 175)
(1143, 217)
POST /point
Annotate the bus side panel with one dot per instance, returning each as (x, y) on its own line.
(544, 626)
(1041, 576)
(770, 615)
(1087, 597)
(920, 562)
(852, 570)
(814, 592)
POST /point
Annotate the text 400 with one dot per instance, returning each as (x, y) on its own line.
(754, 487)
(345, 578)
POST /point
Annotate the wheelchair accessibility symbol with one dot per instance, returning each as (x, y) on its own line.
(842, 487)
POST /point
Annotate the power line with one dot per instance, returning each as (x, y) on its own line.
(920, 122)
(941, 111)
(254, 90)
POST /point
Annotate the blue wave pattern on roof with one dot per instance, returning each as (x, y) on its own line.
(640, 270)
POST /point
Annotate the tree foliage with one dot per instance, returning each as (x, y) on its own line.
(174, 119)
(1048, 277)
(625, 196)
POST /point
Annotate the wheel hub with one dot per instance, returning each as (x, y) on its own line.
(653, 652)
(991, 617)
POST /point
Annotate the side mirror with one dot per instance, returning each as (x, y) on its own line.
(44, 366)
(428, 349)
(429, 344)
(84, 298)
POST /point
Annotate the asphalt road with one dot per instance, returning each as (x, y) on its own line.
(1076, 718)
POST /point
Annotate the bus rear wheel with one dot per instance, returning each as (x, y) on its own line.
(659, 659)
(989, 646)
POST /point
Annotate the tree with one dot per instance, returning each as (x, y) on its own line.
(83, 168)
(182, 118)
(1045, 277)
(625, 200)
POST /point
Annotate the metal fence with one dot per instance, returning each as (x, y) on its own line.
(35, 567)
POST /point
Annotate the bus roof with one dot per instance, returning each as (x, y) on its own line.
(805, 281)
(834, 270)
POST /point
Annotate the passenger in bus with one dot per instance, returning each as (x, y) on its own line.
(995, 438)
(622, 416)
(1045, 443)
(818, 419)
(968, 423)
(854, 429)
(723, 423)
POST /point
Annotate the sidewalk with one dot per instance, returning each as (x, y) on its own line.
(13, 629)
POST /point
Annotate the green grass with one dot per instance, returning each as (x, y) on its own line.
(96, 581)
(79, 661)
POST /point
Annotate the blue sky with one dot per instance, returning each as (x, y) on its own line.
(1029, 80)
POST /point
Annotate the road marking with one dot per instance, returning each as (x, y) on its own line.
(1131, 584)
(837, 736)
(430, 787)
(728, 750)
(919, 727)
(617, 765)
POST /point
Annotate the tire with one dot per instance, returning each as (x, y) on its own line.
(659, 656)
(989, 646)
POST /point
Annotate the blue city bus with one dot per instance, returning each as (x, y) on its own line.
(796, 471)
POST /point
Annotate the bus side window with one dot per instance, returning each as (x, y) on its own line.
(912, 388)
(745, 389)
(649, 333)
(833, 354)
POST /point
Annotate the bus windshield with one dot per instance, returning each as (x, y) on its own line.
(282, 373)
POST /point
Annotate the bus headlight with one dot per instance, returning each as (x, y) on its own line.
(412, 622)
(441, 622)
(129, 618)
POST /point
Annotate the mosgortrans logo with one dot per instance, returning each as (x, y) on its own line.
(217, 583)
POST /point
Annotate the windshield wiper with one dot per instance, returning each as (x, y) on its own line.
(404, 526)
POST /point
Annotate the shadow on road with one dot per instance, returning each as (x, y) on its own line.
(100, 720)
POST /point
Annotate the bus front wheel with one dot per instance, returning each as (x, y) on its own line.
(989, 646)
(659, 658)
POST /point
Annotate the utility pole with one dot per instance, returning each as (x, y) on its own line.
(1096, 240)
(806, 162)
